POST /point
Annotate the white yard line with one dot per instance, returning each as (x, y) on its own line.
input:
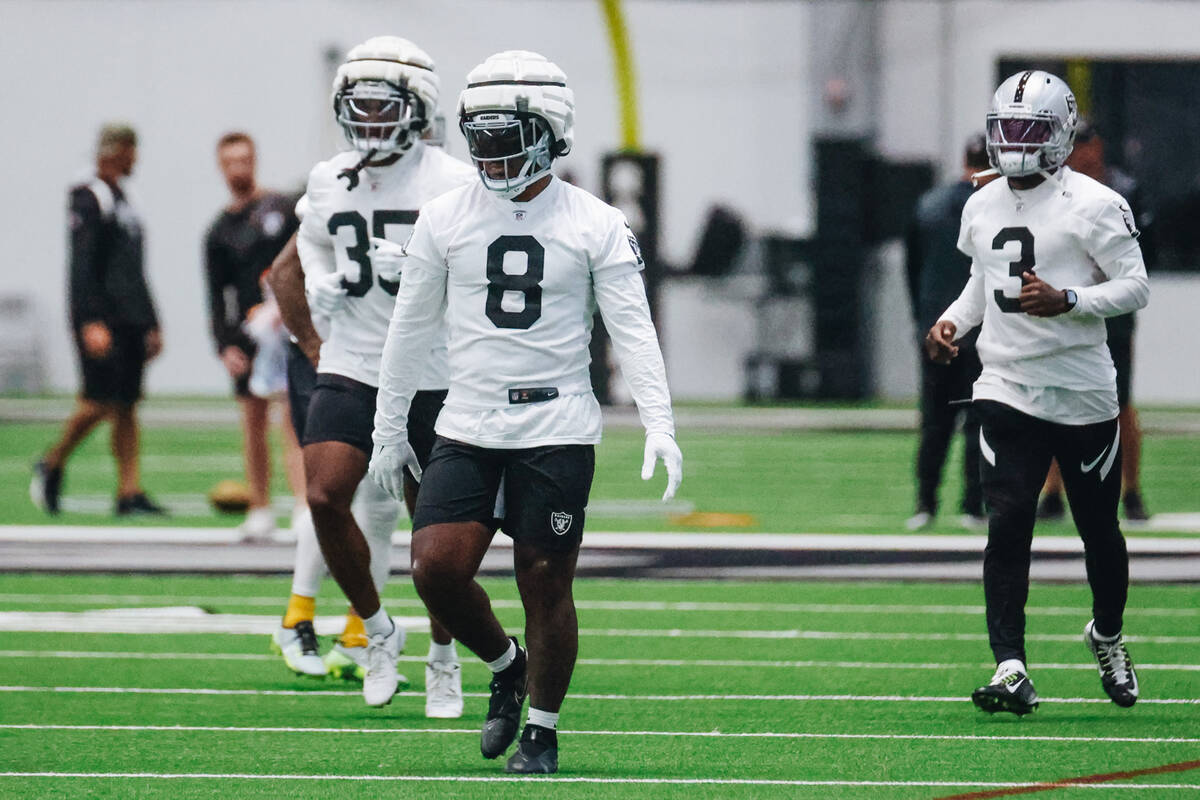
(887, 609)
(692, 734)
(566, 779)
(834, 698)
(125, 655)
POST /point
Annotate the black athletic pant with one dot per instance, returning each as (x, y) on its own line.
(1017, 449)
(945, 395)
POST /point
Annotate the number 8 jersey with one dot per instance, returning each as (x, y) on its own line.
(1073, 233)
(519, 289)
(335, 235)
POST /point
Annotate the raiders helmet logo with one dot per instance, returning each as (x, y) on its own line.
(560, 522)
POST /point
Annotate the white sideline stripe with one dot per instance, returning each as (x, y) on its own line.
(554, 779)
(192, 619)
(1167, 701)
(700, 734)
(600, 662)
(598, 605)
(637, 540)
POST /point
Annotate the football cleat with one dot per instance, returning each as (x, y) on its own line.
(381, 680)
(443, 690)
(298, 646)
(919, 521)
(45, 487)
(508, 688)
(1009, 690)
(1116, 667)
(346, 663)
(537, 752)
(1051, 507)
(1135, 509)
(137, 505)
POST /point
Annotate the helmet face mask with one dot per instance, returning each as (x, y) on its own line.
(510, 150)
(1031, 125)
(375, 115)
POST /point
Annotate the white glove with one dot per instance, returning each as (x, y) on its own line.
(388, 258)
(662, 445)
(387, 467)
(326, 294)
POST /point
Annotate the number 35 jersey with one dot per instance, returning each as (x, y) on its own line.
(335, 236)
(1074, 234)
(519, 306)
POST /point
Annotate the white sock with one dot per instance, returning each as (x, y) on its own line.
(376, 513)
(1100, 638)
(543, 719)
(442, 653)
(378, 623)
(510, 655)
(309, 567)
(1013, 664)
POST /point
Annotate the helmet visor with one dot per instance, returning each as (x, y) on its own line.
(1017, 130)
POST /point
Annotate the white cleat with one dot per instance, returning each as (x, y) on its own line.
(381, 680)
(443, 690)
(919, 521)
(298, 646)
(259, 525)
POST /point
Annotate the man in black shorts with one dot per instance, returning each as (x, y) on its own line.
(247, 234)
(114, 322)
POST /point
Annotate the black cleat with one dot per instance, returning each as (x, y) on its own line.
(45, 487)
(537, 752)
(1051, 507)
(1010, 690)
(504, 707)
(1116, 667)
(1135, 509)
(138, 505)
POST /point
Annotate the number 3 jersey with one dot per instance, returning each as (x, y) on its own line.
(336, 229)
(1073, 233)
(521, 283)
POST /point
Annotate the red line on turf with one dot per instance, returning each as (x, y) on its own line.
(1182, 766)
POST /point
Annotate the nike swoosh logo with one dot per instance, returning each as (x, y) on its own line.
(1089, 467)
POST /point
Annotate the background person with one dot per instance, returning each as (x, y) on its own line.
(114, 322)
(937, 272)
(241, 242)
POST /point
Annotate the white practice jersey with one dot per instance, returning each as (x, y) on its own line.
(520, 283)
(336, 229)
(1074, 233)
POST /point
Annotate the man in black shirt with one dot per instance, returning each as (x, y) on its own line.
(937, 272)
(243, 240)
(115, 325)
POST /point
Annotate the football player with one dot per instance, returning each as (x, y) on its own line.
(1053, 253)
(384, 97)
(518, 261)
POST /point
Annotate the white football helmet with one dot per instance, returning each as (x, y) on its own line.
(518, 116)
(1031, 124)
(385, 94)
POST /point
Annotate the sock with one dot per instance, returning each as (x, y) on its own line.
(1014, 663)
(299, 609)
(378, 623)
(543, 719)
(376, 513)
(309, 567)
(442, 653)
(1101, 638)
(354, 634)
(504, 661)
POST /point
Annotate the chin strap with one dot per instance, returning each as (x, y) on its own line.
(351, 173)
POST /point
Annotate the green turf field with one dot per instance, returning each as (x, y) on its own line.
(784, 481)
(683, 690)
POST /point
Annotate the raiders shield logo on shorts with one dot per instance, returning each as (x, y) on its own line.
(560, 522)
